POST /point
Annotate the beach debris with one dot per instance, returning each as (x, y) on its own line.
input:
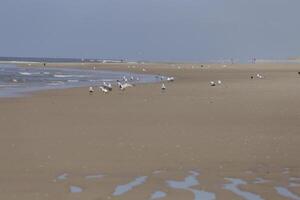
(91, 90)
(143, 69)
(298, 73)
(251, 77)
(170, 79)
(212, 83)
(163, 87)
(14, 80)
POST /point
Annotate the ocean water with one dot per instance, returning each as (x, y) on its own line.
(17, 81)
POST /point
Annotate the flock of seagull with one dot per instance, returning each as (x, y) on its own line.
(107, 87)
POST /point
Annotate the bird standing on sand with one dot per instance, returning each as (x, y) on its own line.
(212, 83)
(91, 90)
(219, 82)
(170, 79)
(103, 89)
(107, 86)
(163, 87)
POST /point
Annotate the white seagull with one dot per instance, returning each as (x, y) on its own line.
(91, 90)
(103, 89)
(170, 79)
(107, 86)
(163, 87)
(124, 85)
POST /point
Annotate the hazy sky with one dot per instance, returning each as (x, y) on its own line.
(193, 30)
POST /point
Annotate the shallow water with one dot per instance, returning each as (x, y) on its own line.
(286, 193)
(75, 189)
(233, 187)
(158, 195)
(260, 181)
(189, 182)
(63, 176)
(122, 189)
(97, 176)
(15, 81)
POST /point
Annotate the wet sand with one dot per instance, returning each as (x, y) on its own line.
(245, 129)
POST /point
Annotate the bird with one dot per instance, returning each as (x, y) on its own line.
(212, 83)
(103, 89)
(91, 90)
(163, 87)
(125, 79)
(219, 82)
(124, 85)
(107, 86)
(170, 79)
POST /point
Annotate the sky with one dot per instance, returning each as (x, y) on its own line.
(157, 30)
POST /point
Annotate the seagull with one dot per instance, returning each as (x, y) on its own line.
(103, 89)
(91, 90)
(259, 76)
(124, 86)
(170, 79)
(107, 86)
(212, 83)
(163, 87)
(219, 82)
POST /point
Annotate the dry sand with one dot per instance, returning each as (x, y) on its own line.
(241, 129)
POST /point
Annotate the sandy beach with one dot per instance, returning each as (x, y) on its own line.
(67, 144)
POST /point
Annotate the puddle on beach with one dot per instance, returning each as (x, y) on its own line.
(158, 195)
(75, 189)
(233, 187)
(122, 189)
(96, 176)
(189, 182)
(260, 181)
(64, 176)
(286, 193)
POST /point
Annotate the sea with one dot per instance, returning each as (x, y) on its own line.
(18, 81)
